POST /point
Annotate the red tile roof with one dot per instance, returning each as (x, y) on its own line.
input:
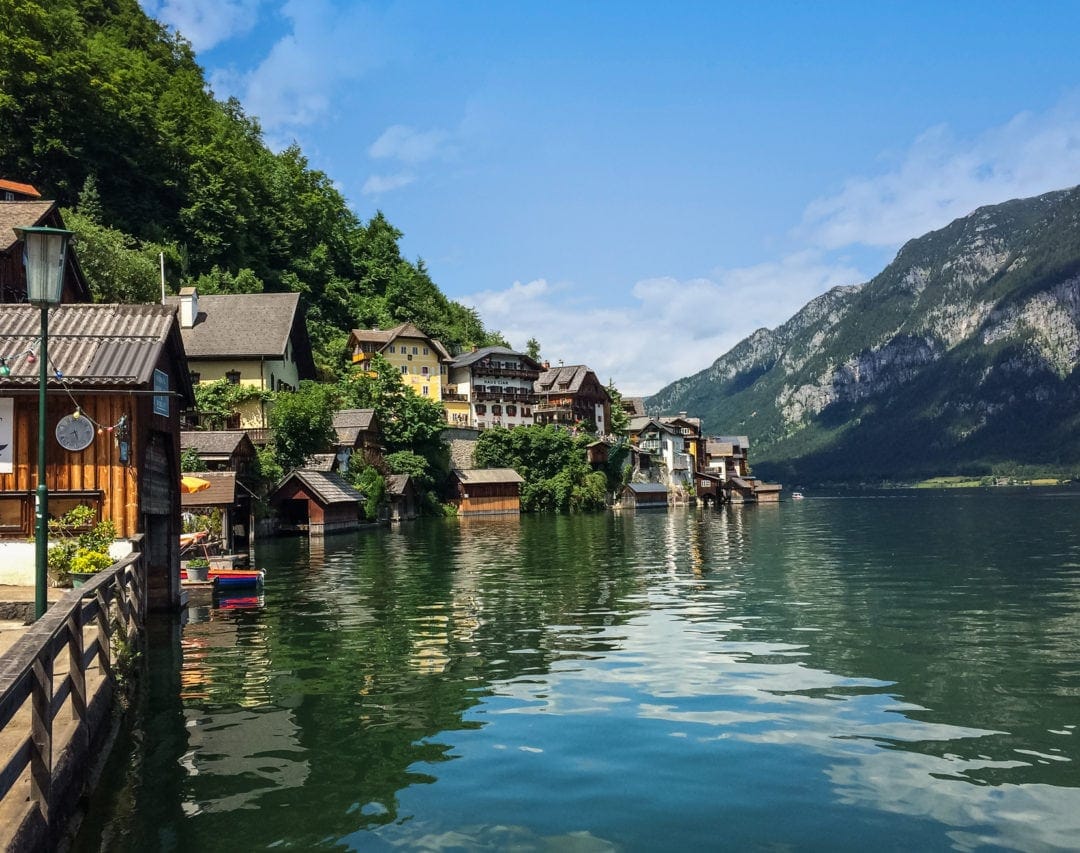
(24, 189)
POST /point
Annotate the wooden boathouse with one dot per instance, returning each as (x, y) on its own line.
(486, 491)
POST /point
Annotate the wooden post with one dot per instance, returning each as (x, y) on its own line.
(41, 734)
(75, 665)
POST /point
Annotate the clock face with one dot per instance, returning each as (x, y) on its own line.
(74, 433)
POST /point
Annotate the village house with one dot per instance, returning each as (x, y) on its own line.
(421, 360)
(644, 496)
(662, 449)
(572, 396)
(486, 491)
(403, 500)
(21, 207)
(231, 504)
(257, 340)
(492, 386)
(117, 382)
(357, 433)
(220, 450)
(316, 503)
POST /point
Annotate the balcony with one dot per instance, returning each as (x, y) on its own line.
(451, 397)
(515, 372)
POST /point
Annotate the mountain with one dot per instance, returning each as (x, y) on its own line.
(958, 358)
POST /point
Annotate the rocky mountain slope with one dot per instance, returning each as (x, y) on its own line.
(959, 357)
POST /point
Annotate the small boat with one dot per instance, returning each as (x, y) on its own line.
(797, 496)
(232, 578)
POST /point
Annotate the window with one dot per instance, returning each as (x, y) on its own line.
(392, 348)
(232, 377)
(425, 350)
(415, 350)
(511, 411)
(424, 390)
(11, 513)
(496, 409)
(424, 370)
(481, 409)
(404, 369)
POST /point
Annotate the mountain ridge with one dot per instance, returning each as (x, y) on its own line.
(958, 357)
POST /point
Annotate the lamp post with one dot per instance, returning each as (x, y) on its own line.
(44, 251)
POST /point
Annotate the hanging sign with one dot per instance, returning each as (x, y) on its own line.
(7, 434)
(161, 401)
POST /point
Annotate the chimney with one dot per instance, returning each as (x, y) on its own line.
(189, 307)
(546, 364)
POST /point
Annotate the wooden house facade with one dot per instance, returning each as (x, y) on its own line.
(572, 396)
(316, 503)
(403, 501)
(486, 491)
(18, 210)
(117, 382)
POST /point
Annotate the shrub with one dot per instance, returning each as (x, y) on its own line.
(89, 562)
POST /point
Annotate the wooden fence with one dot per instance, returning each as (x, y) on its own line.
(56, 708)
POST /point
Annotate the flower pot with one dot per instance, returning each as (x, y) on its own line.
(79, 578)
(198, 574)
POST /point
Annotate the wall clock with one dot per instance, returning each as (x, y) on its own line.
(74, 433)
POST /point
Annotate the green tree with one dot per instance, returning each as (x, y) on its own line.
(532, 349)
(302, 423)
(553, 464)
(620, 420)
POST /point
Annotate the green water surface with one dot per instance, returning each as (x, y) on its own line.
(890, 672)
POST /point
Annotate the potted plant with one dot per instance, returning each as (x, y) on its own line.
(85, 564)
(198, 569)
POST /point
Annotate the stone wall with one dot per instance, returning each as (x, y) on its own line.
(462, 442)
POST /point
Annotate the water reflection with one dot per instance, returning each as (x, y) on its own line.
(891, 673)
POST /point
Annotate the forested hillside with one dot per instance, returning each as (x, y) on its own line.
(960, 357)
(102, 109)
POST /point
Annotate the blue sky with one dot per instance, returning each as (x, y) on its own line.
(641, 185)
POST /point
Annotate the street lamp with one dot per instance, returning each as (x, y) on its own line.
(44, 251)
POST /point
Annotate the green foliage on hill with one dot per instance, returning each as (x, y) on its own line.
(95, 91)
(958, 358)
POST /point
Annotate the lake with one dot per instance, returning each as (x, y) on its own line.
(890, 671)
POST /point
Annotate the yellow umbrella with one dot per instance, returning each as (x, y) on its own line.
(190, 485)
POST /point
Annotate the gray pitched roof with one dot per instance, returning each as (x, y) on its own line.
(327, 487)
(240, 325)
(397, 483)
(634, 406)
(91, 345)
(222, 491)
(15, 214)
(647, 488)
(488, 475)
(213, 443)
(349, 423)
(322, 462)
(572, 376)
(468, 358)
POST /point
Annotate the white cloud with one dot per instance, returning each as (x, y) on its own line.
(308, 70)
(941, 177)
(205, 23)
(938, 178)
(377, 184)
(408, 144)
(696, 320)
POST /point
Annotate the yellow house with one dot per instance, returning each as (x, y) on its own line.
(254, 339)
(421, 360)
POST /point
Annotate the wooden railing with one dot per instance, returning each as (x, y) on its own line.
(51, 752)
